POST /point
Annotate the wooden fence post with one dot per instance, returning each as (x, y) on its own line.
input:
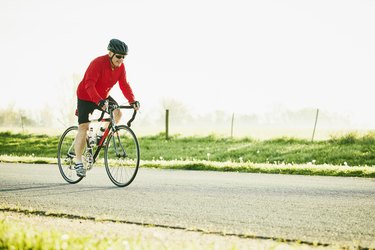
(22, 123)
(231, 127)
(316, 120)
(167, 124)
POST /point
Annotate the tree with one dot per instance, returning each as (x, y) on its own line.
(68, 100)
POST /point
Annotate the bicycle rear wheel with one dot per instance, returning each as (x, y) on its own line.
(66, 155)
(122, 156)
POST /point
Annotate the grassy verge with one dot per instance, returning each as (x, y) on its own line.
(16, 236)
(31, 230)
(296, 169)
(349, 155)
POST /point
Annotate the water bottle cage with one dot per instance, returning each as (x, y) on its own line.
(99, 135)
(92, 142)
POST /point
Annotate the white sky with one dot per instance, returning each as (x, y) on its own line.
(234, 55)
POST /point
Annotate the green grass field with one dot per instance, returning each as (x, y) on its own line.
(348, 155)
(351, 149)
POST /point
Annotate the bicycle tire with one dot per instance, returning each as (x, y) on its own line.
(65, 155)
(122, 156)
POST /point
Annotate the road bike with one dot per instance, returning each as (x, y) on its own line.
(120, 144)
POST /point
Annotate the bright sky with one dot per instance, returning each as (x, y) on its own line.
(241, 56)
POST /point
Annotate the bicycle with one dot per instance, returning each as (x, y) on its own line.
(121, 150)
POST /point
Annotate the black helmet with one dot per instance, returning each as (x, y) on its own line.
(118, 47)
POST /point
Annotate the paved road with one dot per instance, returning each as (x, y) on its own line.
(329, 210)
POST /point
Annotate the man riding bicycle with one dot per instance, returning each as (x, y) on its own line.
(93, 92)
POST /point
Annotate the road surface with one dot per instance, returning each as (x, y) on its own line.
(311, 209)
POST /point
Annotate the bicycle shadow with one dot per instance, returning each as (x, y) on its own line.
(32, 187)
(54, 186)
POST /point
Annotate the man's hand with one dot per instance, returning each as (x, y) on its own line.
(136, 105)
(103, 104)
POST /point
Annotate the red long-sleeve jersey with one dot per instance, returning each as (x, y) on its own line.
(99, 79)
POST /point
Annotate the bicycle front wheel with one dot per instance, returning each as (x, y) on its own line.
(66, 155)
(122, 156)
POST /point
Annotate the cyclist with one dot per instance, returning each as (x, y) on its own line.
(93, 92)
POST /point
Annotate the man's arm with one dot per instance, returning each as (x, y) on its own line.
(125, 88)
(91, 78)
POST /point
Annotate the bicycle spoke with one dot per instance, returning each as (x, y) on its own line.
(65, 155)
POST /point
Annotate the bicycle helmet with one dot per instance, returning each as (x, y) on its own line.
(118, 47)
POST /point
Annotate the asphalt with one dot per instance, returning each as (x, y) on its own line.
(310, 209)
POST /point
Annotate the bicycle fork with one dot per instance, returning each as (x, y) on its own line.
(119, 153)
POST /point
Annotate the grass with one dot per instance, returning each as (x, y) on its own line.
(244, 167)
(16, 235)
(28, 144)
(30, 229)
(297, 169)
(337, 151)
(351, 155)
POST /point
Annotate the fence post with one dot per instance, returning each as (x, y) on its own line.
(167, 124)
(22, 124)
(316, 120)
(231, 127)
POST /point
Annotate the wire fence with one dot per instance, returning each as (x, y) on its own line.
(311, 124)
(243, 126)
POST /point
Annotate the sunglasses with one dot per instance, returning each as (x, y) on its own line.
(120, 56)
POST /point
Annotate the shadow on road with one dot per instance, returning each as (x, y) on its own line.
(54, 186)
(32, 187)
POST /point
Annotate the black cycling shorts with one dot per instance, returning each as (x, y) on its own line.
(84, 108)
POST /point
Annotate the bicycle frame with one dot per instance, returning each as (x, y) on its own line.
(111, 127)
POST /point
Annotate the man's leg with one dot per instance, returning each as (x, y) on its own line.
(118, 115)
(117, 112)
(79, 145)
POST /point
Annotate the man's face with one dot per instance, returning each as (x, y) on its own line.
(118, 59)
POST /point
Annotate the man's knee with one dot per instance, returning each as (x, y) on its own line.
(118, 115)
(83, 126)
